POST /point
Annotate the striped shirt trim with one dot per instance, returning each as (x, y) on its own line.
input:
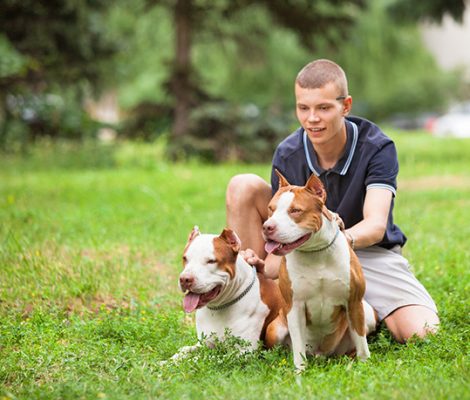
(350, 156)
(353, 147)
(307, 156)
(382, 186)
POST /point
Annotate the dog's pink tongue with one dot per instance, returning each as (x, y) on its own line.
(270, 246)
(190, 302)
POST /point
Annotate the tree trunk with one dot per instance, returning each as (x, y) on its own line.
(180, 83)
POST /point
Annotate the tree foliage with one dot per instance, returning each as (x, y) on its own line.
(50, 49)
(217, 74)
(61, 41)
(433, 10)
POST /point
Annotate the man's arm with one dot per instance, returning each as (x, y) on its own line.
(372, 228)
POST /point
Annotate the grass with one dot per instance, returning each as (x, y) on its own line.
(90, 245)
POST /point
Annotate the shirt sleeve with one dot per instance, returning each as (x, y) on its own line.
(383, 169)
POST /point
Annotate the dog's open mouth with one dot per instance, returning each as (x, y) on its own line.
(281, 249)
(197, 300)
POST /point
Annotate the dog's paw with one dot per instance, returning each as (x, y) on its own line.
(163, 363)
(338, 220)
(363, 355)
(300, 369)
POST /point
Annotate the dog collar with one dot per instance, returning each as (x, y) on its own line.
(328, 245)
(241, 295)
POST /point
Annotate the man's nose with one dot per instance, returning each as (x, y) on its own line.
(312, 116)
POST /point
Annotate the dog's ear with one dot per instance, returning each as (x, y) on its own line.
(315, 185)
(282, 181)
(231, 238)
(194, 233)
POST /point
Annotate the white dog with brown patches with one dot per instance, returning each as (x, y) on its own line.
(227, 293)
(320, 277)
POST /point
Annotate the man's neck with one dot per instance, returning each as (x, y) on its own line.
(328, 154)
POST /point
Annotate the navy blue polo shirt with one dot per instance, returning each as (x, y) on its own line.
(369, 160)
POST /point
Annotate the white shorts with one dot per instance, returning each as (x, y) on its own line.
(389, 282)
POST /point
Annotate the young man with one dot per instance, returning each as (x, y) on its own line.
(358, 166)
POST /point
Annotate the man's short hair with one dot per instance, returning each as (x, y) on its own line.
(318, 73)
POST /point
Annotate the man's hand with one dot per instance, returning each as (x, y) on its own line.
(252, 258)
(338, 220)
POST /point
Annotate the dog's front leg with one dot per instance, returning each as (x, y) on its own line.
(184, 352)
(296, 321)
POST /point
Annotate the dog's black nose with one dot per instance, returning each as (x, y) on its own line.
(186, 281)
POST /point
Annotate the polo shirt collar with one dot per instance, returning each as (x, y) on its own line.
(344, 162)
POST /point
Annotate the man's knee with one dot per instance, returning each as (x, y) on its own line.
(245, 189)
(410, 321)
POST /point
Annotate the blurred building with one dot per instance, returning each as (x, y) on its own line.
(450, 42)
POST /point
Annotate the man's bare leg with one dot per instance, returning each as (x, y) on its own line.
(247, 201)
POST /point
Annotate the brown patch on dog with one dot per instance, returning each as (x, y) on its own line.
(356, 293)
(340, 322)
(309, 199)
(231, 239)
(271, 296)
(273, 203)
(276, 331)
(226, 247)
(311, 205)
(285, 285)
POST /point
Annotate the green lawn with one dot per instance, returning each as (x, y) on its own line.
(90, 246)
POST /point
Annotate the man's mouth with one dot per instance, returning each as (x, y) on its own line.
(281, 249)
(194, 300)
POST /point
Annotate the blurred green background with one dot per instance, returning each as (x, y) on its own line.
(211, 79)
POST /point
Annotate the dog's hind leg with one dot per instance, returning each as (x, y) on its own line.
(276, 332)
(357, 329)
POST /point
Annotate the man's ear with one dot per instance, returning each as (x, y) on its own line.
(315, 186)
(347, 105)
(282, 181)
(231, 238)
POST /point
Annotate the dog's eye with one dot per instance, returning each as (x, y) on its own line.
(185, 260)
(294, 210)
(211, 261)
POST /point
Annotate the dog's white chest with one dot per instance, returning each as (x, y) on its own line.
(320, 284)
(244, 319)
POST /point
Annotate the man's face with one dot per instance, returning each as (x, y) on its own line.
(320, 113)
